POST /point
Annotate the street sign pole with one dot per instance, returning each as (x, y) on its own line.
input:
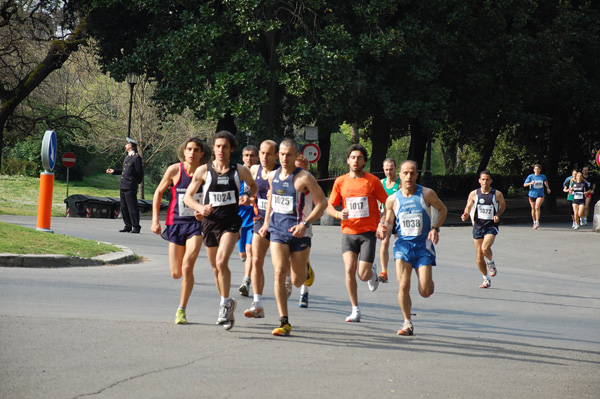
(46, 182)
(68, 161)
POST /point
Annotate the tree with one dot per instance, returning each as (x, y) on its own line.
(25, 28)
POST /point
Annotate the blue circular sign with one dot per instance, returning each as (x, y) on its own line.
(49, 150)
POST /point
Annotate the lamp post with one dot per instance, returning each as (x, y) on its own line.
(132, 79)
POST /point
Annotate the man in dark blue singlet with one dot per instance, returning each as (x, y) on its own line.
(267, 155)
(484, 206)
(220, 182)
(288, 219)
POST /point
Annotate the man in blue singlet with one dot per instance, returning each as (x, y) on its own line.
(220, 182)
(485, 215)
(289, 223)
(267, 155)
(250, 158)
(417, 233)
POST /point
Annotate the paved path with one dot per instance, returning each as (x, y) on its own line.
(108, 332)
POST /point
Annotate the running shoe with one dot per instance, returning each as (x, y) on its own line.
(310, 275)
(256, 311)
(282, 330)
(486, 283)
(222, 318)
(230, 314)
(576, 227)
(303, 303)
(354, 317)
(245, 287)
(374, 281)
(383, 277)
(536, 225)
(407, 329)
(492, 268)
(180, 317)
(288, 286)
(584, 223)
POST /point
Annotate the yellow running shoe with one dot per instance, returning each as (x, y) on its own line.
(282, 330)
(310, 275)
(180, 317)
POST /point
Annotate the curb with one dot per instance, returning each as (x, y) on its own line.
(54, 261)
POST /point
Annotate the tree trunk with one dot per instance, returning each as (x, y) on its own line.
(486, 155)
(555, 149)
(56, 56)
(418, 143)
(323, 162)
(355, 134)
(227, 123)
(380, 138)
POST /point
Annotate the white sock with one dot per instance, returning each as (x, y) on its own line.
(181, 307)
(407, 321)
(355, 309)
(487, 277)
(223, 301)
(258, 299)
(303, 290)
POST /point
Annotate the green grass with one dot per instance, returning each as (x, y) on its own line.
(19, 194)
(21, 240)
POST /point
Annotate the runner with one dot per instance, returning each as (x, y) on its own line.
(290, 225)
(567, 189)
(301, 162)
(267, 156)
(220, 182)
(358, 191)
(391, 184)
(536, 182)
(250, 158)
(413, 249)
(182, 229)
(591, 181)
(579, 189)
(485, 217)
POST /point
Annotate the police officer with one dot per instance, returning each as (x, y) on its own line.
(132, 175)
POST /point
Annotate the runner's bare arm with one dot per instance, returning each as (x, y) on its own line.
(197, 181)
(432, 199)
(167, 179)
(501, 206)
(470, 202)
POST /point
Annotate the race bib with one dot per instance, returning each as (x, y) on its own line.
(261, 203)
(577, 195)
(283, 204)
(411, 224)
(485, 212)
(185, 210)
(358, 207)
(538, 184)
(222, 198)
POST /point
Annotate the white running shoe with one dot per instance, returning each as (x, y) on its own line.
(492, 268)
(374, 281)
(486, 283)
(230, 314)
(354, 317)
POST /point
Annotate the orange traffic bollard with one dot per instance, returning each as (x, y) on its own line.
(45, 201)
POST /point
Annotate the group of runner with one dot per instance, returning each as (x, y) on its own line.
(286, 200)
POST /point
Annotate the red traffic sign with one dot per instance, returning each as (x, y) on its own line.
(68, 159)
(311, 152)
(598, 158)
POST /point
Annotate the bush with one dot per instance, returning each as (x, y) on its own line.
(21, 167)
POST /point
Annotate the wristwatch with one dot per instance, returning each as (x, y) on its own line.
(306, 224)
(436, 229)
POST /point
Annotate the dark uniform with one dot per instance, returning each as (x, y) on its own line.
(132, 175)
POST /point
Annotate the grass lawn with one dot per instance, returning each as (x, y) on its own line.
(21, 240)
(19, 194)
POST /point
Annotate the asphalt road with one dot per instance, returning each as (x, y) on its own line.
(108, 332)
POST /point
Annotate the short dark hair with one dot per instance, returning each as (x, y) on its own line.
(196, 140)
(358, 147)
(290, 143)
(485, 172)
(252, 148)
(390, 160)
(224, 134)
